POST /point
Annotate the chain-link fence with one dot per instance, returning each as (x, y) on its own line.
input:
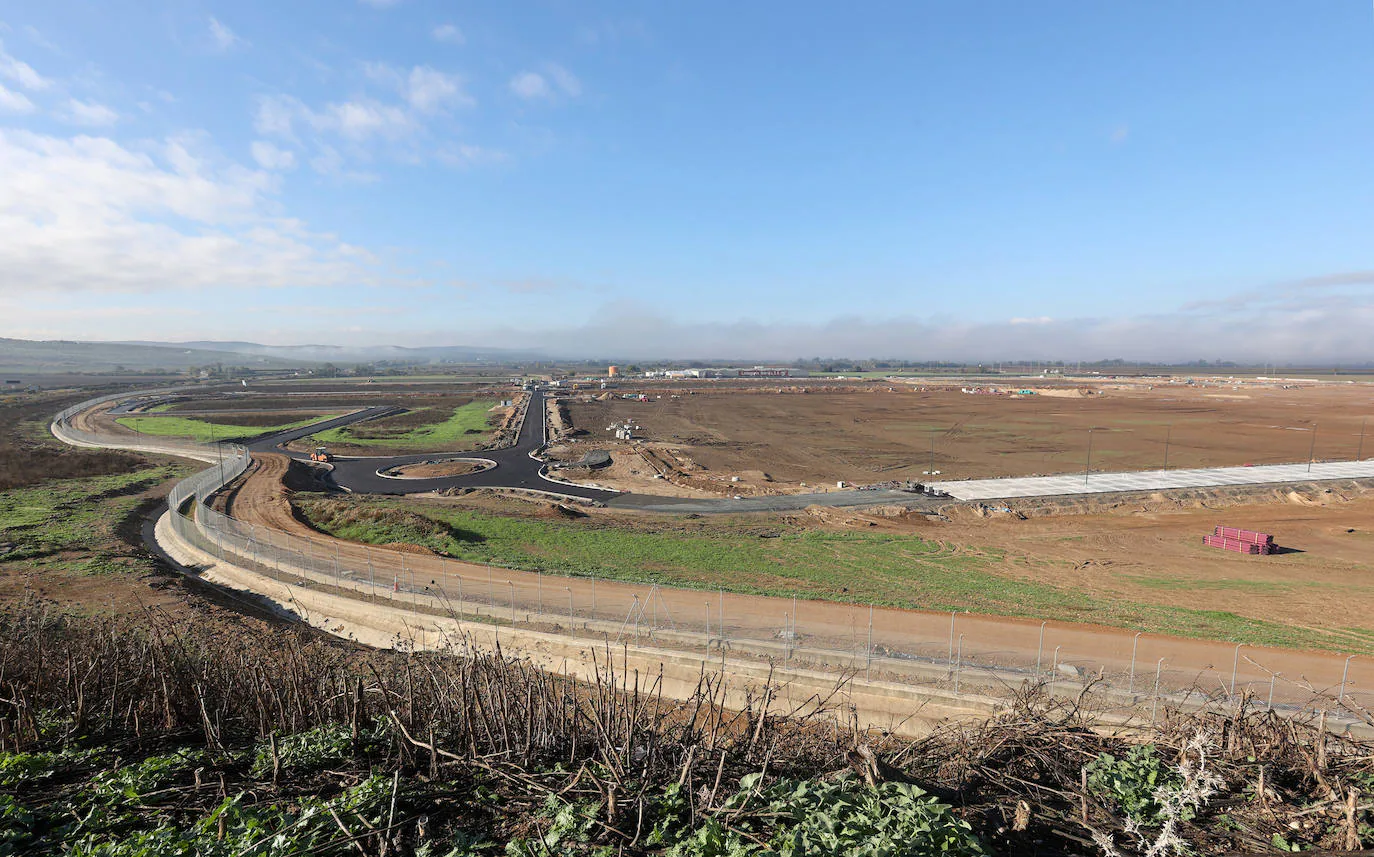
(956, 650)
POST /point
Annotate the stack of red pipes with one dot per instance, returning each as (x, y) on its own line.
(1240, 541)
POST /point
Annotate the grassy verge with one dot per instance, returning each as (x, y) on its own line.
(204, 431)
(72, 524)
(881, 569)
(464, 424)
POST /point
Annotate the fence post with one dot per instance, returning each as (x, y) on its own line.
(950, 658)
(512, 601)
(960, 668)
(1235, 665)
(1272, 676)
(1130, 688)
(1040, 649)
(539, 587)
(721, 618)
(1345, 673)
(1154, 707)
(868, 668)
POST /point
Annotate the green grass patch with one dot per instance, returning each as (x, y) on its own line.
(201, 430)
(895, 570)
(72, 522)
(464, 424)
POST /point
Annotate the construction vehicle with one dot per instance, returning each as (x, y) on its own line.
(321, 454)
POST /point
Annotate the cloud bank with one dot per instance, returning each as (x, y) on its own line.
(1333, 326)
(89, 215)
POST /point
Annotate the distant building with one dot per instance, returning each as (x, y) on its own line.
(612, 371)
(771, 372)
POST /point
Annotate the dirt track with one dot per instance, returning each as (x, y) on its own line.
(262, 500)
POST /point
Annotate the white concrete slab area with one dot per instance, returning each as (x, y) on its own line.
(1154, 480)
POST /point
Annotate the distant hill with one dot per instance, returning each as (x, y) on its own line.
(344, 355)
(22, 356)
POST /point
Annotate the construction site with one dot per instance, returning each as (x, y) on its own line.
(721, 439)
(870, 445)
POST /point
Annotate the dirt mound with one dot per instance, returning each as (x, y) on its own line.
(438, 469)
(306, 476)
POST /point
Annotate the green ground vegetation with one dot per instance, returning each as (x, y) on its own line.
(72, 524)
(202, 430)
(460, 426)
(737, 555)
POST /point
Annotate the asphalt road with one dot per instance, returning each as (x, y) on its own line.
(516, 469)
(514, 466)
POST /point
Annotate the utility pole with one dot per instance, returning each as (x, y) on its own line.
(1167, 434)
(1312, 451)
(1359, 452)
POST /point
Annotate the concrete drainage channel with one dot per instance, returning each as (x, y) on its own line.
(898, 698)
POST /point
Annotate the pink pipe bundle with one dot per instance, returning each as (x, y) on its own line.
(1240, 541)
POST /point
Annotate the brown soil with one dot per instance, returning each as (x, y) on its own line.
(820, 437)
(438, 469)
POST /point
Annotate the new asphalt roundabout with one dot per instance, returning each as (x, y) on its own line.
(517, 468)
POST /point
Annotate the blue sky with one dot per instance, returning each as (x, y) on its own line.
(1171, 180)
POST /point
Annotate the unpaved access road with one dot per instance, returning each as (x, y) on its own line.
(261, 500)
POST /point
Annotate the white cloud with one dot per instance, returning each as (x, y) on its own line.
(361, 119)
(425, 89)
(1043, 319)
(276, 114)
(468, 155)
(530, 85)
(223, 38)
(21, 72)
(89, 215)
(1336, 333)
(88, 113)
(611, 32)
(428, 90)
(565, 79)
(365, 127)
(328, 162)
(270, 157)
(449, 34)
(14, 102)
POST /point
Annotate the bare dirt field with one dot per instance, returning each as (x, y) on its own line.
(821, 437)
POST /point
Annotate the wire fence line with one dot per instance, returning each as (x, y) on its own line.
(957, 651)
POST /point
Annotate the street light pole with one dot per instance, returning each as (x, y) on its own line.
(1167, 434)
(1359, 451)
(1088, 466)
(1312, 451)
